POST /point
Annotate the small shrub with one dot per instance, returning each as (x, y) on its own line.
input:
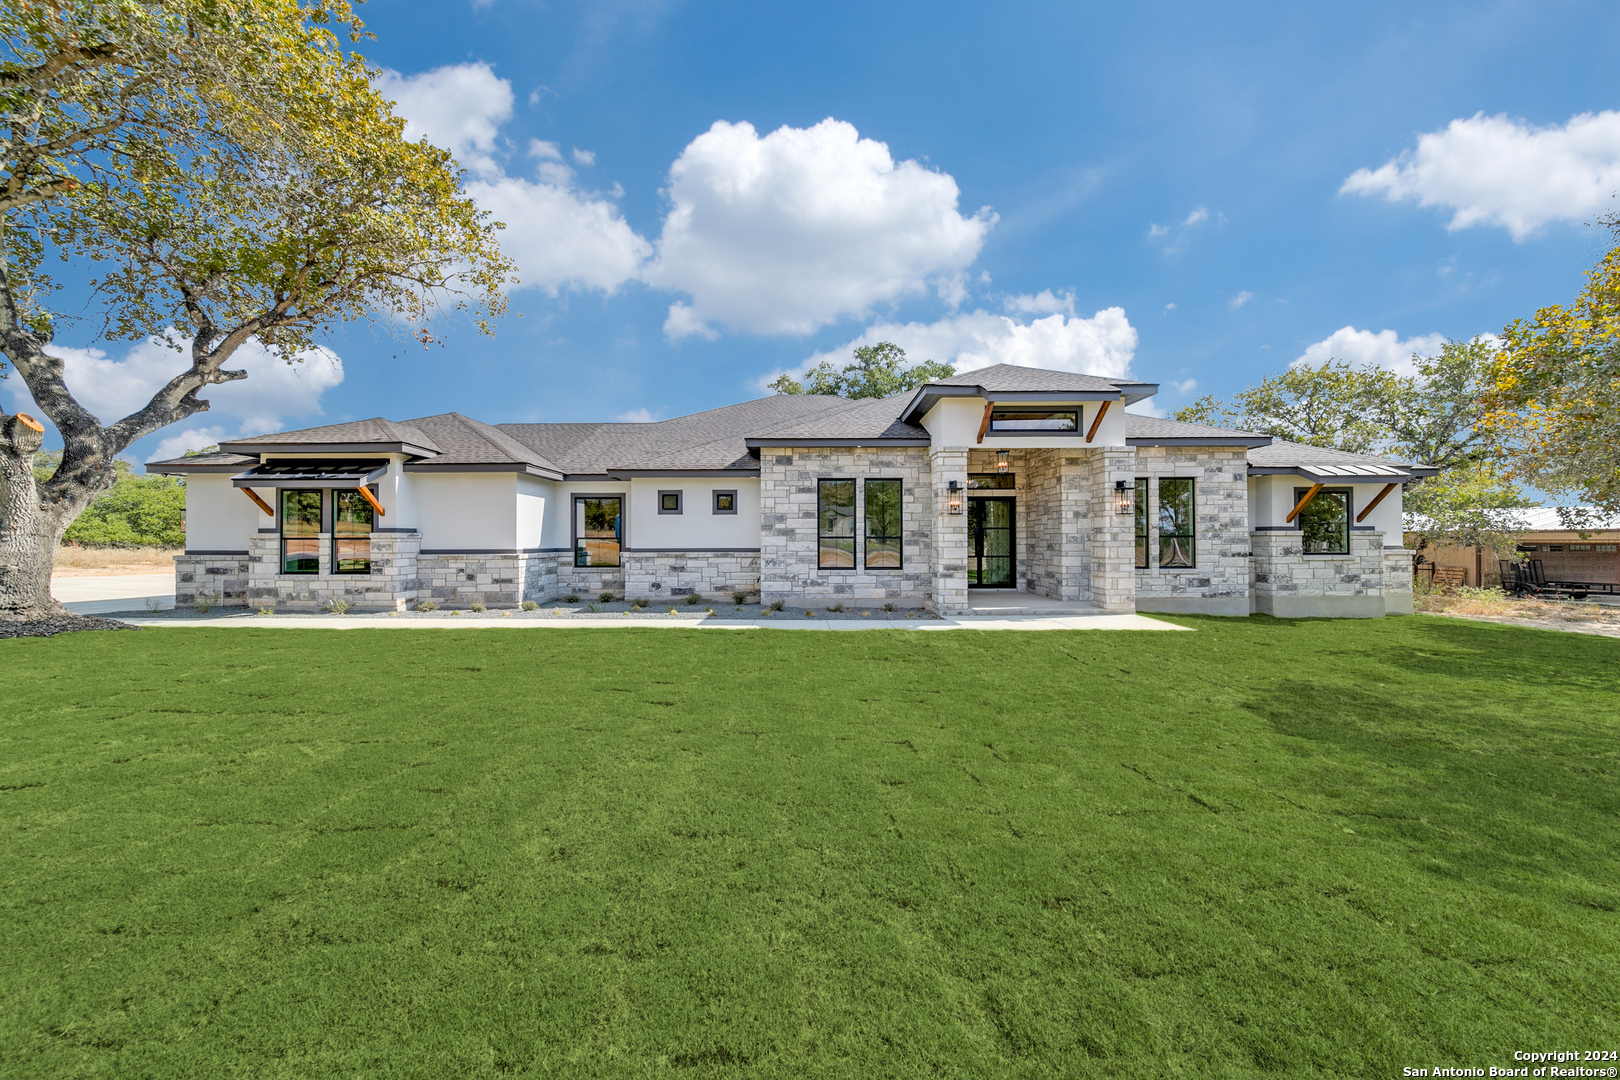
(835, 607)
(606, 598)
(571, 598)
(453, 611)
(708, 611)
(262, 611)
(776, 605)
(530, 605)
(866, 614)
(739, 598)
(593, 607)
(205, 604)
(639, 603)
(478, 605)
(155, 604)
(506, 614)
(694, 598)
(427, 605)
(888, 607)
(809, 614)
(672, 611)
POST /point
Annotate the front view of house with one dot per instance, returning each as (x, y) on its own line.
(994, 488)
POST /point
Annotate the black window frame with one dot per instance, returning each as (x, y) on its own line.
(898, 537)
(716, 494)
(573, 526)
(1144, 533)
(1349, 496)
(1190, 535)
(821, 518)
(995, 414)
(337, 497)
(281, 529)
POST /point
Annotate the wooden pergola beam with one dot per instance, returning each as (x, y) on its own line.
(250, 493)
(985, 423)
(365, 493)
(1303, 503)
(1376, 500)
(1097, 423)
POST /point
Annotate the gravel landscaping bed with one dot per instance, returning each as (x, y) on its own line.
(61, 624)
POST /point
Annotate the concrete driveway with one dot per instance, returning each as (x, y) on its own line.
(115, 592)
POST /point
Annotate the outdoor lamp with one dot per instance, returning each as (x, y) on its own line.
(1124, 499)
(1001, 461)
(953, 497)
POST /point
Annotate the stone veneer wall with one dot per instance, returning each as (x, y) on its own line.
(390, 586)
(220, 578)
(1219, 583)
(588, 582)
(501, 580)
(947, 588)
(1111, 546)
(1367, 583)
(662, 575)
(1049, 569)
(788, 569)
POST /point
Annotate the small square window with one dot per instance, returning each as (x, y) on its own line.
(1605, 547)
(669, 502)
(725, 502)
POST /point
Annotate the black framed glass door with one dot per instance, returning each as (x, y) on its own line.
(992, 531)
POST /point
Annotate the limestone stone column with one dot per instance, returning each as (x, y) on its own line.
(1112, 535)
(949, 551)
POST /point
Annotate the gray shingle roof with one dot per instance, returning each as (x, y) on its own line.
(464, 441)
(1014, 378)
(215, 461)
(1320, 460)
(374, 430)
(1138, 427)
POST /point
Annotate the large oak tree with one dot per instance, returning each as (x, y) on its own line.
(232, 174)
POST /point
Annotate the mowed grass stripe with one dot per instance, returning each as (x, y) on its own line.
(1299, 847)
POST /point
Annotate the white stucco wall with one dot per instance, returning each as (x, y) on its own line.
(466, 511)
(536, 501)
(697, 526)
(221, 518)
(955, 422)
(558, 531)
(1272, 497)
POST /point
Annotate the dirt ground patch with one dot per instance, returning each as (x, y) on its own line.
(75, 561)
(1492, 605)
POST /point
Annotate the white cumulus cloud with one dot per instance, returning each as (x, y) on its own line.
(1365, 349)
(1239, 300)
(460, 107)
(1100, 345)
(559, 235)
(636, 416)
(791, 231)
(274, 391)
(1492, 170)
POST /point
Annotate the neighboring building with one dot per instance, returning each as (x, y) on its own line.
(1004, 489)
(1591, 554)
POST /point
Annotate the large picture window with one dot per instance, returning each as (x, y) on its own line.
(1178, 542)
(598, 529)
(1141, 523)
(1324, 524)
(835, 524)
(300, 531)
(1016, 420)
(883, 548)
(351, 533)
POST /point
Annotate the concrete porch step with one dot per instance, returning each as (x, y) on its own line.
(1012, 602)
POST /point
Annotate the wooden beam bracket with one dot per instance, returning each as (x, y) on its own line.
(250, 493)
(1303, 502)
(365, 493)
(1376, 500)
(985, 423)
(1097, 423)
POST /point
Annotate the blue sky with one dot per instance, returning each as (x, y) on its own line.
(1180, 168)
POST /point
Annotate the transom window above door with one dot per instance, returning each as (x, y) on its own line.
(1017, 420)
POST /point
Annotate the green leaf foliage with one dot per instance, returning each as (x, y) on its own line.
(138, 511)
(876, 372)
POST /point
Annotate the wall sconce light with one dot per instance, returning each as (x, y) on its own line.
(953, 497)
(1124, 498)
(1001, 461)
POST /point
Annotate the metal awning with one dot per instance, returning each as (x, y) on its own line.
(308, 473)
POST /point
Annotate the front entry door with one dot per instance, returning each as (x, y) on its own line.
(991, 534)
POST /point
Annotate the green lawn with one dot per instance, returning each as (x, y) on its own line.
(1331, 848)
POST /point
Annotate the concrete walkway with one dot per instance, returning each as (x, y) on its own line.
(672, 622)
(127, 596)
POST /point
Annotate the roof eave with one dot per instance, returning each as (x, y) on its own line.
(756, 444)
(262, 448)
(1400, 475)
(160, 468)
(1249, 441)
(431, 466)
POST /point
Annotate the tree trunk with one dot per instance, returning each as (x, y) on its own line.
(29, 533)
